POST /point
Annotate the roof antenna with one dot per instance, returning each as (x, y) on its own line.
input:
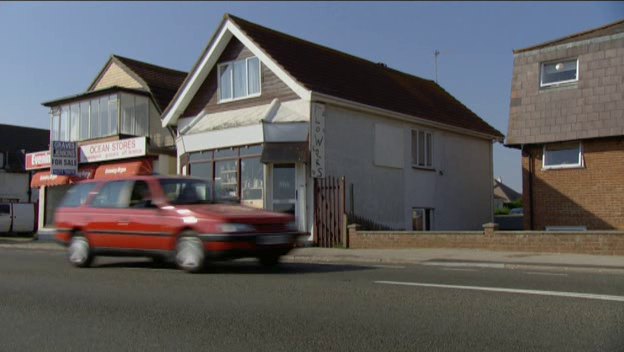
(435, 54)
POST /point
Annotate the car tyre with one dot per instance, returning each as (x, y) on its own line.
(79, 251)
(189, 254)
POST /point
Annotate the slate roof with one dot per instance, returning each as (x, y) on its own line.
(338, 74)
(162, 82)
(15, 138)
(606, 30)
(504, 192)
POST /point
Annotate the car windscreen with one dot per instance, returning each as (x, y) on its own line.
(181, 191)
(77, 195)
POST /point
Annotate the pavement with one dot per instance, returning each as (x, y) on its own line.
(420, 256)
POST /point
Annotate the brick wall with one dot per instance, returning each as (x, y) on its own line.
(590, 196)
(596, 242)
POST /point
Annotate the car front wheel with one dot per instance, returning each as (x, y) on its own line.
(79, 252)
(189, 254)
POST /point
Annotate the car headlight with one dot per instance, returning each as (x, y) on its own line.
(292, 226)
(236, 228)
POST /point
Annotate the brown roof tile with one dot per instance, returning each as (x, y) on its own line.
(341, 75)
(163, 82)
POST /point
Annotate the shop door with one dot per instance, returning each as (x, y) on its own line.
(284, 190)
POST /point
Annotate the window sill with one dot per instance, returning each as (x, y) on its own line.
(571, 167)
(559, 86)
(238, 99)
(423, 168)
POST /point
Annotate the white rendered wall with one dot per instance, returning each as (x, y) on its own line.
(14, 185)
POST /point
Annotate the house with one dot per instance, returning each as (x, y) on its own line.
(116, 127)
(267, 116)
(503, 194)
(15, 142)
(567, 118)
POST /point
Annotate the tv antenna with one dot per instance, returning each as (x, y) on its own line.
(435, 54)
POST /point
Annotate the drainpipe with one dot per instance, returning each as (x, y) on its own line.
(530, 188)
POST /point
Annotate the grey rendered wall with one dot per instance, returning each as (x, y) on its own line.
(459, 189)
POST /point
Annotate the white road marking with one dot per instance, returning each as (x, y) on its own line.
(458, 269)
(466, 264)
(544, 273)
(384, 266)
(510, 290)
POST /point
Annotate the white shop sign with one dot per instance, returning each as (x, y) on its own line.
(121, 149)
(317, 140)
(64, 158)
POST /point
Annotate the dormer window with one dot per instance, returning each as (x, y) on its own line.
(239, 79)
(558, 72)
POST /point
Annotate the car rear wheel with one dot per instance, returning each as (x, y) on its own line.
(190, 254)
(79, 251)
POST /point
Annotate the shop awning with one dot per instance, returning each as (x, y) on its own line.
(45, 178)
(132, 168)
(285, 152)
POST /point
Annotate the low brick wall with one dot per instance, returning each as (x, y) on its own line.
(589, 242)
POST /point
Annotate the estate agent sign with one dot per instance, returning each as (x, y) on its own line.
(64, 158)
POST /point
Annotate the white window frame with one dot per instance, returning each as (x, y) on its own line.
(424, 211)
(427, 152)
(247, 95)
(542, 84)
(580, 163)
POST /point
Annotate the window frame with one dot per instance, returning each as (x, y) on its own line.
(428, 152)
(558, 83)
(247, 95)
(580, 163)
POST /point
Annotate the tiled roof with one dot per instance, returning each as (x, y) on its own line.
(331, 72)
(15, 138)
(609, 29)
(163, 82)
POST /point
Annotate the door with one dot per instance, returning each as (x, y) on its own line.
(23, 217)
(5, 217)
(284, 189)
(109, 218)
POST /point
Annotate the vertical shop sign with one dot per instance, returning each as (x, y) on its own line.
(317, 140)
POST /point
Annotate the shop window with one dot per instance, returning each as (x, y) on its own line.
(252, 182)
(422, 219)
(239, 79)
(2, 160)
(77, 195)
(226, 179)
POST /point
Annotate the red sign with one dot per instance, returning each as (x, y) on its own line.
(38, 160)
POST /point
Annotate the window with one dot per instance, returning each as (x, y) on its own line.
(252, 181)
(140, 197)
(5, 209)
(184, 191)
(84, 120)
(564, 155)
(558, 72)
(2, 159)
(422, 149)
(239, 79)
(114, 194)
(77, 195)
(226, 179)
(422, 219)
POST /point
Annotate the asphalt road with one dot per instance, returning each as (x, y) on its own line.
(131, 305)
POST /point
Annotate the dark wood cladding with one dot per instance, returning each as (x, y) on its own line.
(207, 96)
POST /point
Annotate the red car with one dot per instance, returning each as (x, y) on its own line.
(167, 218)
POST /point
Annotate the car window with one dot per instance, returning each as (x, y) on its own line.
(5, 209)
(140, 197)
(77, 195)
(115, 194)
(183, 191)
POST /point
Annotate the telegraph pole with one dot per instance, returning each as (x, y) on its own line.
(435, 54)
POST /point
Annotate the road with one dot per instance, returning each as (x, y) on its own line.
(124, 304)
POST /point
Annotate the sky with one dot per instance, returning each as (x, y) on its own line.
(50, 50)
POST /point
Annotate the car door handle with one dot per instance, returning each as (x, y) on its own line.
(123, 222)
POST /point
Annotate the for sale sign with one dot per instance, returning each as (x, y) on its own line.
(64, 158)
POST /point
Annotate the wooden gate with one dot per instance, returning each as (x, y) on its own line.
(329, 212)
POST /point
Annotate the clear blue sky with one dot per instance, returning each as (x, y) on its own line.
(51, 50)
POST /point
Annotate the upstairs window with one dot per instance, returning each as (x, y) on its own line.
(239, 79)
(565, 155)
(422, 149)
(558, 72)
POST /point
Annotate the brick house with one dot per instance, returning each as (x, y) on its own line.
(265, 116)
(567, 117)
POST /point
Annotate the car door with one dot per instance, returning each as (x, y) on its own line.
(109, 218)
(148, 223)
(5, 217)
